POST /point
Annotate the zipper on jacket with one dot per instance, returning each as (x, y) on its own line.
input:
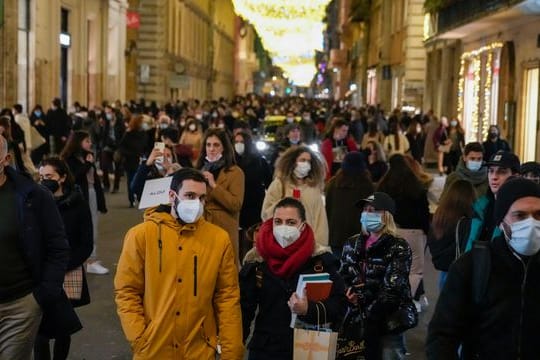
(195, 275)
(160, 246)
(521, 314)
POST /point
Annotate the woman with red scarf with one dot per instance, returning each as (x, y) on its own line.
(285, 248)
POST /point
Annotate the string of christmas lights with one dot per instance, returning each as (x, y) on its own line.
(291, 31)
(474, 59)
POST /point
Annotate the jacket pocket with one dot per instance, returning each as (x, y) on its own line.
(208, 333)
(141, 344)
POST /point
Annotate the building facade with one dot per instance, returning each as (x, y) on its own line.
(72, 49)
(182, 49)
(381, 57)
(484, 60)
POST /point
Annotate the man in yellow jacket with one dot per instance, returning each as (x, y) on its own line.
(176, 285)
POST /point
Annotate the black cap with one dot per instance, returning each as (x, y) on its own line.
(380, 201)
(530, 167)
(354, 163)
(504, 159)
(512, 190)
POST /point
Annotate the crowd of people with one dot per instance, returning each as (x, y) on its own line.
(342, 190)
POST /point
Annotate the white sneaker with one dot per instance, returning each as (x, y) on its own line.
(418, 306)
(424, 301)
(96, 268)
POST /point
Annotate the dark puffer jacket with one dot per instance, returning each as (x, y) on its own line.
(383, 270)
(504, 325)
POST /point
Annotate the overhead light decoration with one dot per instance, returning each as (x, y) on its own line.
(291, 31)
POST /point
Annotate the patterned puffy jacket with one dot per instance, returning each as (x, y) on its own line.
(380, 277)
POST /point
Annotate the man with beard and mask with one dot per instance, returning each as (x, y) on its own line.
(34, 254)
(494, 143)
(489, 304)
(470, 168)
(177, 282)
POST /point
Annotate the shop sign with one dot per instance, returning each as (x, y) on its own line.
(133, 20)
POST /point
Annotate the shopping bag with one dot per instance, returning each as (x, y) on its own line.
(314, 344)
(36, 140)
(351, 343)
(319, 343)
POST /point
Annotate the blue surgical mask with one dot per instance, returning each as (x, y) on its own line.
(474, 165)
(37, 113)
(525, 239)
(108, 116)
(371, 222)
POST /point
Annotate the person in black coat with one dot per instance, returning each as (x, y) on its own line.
(375, 267)
(488, 307)
(55, 176)
(113, 129)
(258, 177)
(132, 147)
(352, 182)
(57, 126)
(494, 143)
(45, 253)
(270, 275)
(80, 159)
(409, 193)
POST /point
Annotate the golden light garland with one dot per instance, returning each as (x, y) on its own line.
(487, 95)
(473, 58)
(290, 31)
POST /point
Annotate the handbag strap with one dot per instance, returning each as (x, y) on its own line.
(458, 248)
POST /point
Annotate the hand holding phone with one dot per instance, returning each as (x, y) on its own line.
(161, 147)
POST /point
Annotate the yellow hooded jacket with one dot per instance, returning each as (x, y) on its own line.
(176, 290)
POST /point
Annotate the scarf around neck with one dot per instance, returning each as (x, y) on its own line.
(284, 262)
(214, 167)
(475, 177)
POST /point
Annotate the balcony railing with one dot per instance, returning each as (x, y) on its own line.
(462, 12)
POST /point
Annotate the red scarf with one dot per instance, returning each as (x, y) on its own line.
(284, 262)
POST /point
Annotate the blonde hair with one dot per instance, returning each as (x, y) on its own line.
(390, 227)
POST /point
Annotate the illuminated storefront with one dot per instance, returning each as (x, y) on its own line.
(478, 90)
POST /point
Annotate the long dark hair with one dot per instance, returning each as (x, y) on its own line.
(228, 152)
(73, 145)
(62, 169)
(456, 203)
(400, 179)
(361, 180)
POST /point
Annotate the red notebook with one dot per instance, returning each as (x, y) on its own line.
(318, 290)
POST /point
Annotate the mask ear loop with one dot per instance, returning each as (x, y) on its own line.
(502, 228)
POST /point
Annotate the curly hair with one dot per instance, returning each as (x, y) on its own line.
(287, 162)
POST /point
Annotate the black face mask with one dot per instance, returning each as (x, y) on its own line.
(52, 185)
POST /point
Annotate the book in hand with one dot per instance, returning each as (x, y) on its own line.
(318, 289)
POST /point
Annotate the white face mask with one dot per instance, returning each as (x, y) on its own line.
(189, 211)
(302, 169)
(192, 127)
(240, 148)
(286, 235)
(474, 165)
(525, 238)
